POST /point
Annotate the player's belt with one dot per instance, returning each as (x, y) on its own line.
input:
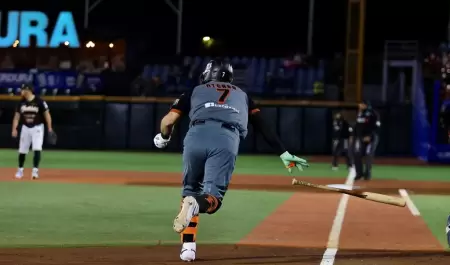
(223, 124)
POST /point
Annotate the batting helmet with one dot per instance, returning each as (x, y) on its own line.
(217, 70)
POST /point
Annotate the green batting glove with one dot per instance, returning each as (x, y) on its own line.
(291, 161)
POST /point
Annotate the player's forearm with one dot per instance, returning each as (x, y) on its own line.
(166, 131)
(267, 132)
(48, 120)
(167, 124)
(15, 122)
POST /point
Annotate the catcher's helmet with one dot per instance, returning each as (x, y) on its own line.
(27, 86)
(217, 70)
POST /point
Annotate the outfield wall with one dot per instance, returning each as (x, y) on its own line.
(96, 122)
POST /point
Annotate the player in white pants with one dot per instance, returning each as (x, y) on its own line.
(31, 112)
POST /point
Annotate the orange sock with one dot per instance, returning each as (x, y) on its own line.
(190, 233)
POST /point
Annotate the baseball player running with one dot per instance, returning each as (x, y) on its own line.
(30, 112)
(219, 113)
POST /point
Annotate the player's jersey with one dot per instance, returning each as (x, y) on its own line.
(367, 123)
(32, 112)
(217, 101)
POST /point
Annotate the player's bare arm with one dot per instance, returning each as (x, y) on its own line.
(48, 120)
(168, 123)
(178, 108)
(15, 124)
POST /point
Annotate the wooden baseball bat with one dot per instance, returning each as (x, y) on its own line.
(371, 196)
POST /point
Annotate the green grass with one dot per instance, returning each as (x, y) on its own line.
(43, 214)
(246, 164)
(434, 210)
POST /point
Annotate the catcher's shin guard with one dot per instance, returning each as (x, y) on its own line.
(190, 233)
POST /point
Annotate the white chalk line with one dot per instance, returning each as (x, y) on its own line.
(333, 239)
(409, 203)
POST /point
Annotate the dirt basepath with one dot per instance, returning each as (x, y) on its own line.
(248, 182)
(303, 221)
(384, 227)
(214, 255)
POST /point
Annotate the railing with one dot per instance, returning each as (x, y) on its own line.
(97, 122)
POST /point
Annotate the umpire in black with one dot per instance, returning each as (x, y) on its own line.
(365, 140)
(341, 134)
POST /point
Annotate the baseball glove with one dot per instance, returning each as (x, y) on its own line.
(52, 138)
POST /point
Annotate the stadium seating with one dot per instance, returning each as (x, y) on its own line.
(257, 75)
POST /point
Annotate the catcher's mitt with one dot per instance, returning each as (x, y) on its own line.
(52, 138)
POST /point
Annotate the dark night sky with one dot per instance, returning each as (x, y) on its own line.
(265, 27)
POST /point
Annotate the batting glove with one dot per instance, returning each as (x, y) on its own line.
(291, 161)
(160, 142)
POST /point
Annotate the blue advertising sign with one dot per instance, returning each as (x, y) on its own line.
(50, 80)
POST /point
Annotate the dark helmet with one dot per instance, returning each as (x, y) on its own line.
(28, 87)
(367, 103)
(217, 70)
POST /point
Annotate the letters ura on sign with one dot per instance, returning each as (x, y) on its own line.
(23, 25)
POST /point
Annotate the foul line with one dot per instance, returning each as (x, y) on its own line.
(412, 208)
(333, 239)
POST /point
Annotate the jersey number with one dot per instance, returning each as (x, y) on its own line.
(225, 92)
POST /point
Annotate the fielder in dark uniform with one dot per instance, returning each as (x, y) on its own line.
(341, 135)
(365, 140)
(219, 113)
(31, 112)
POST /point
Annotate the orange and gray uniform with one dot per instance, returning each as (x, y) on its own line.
(219, 114)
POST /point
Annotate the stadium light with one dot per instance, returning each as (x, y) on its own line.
(207, 41)
(90, 44)
(111, 45)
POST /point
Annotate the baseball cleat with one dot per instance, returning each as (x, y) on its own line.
(35, 173)
(358, 177)
(19, 173)
(447, 230)
(188, 252)
(189, 209)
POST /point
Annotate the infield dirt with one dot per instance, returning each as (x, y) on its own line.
(296, 233)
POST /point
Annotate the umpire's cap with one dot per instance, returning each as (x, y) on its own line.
(217, 70)
(28, 87)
